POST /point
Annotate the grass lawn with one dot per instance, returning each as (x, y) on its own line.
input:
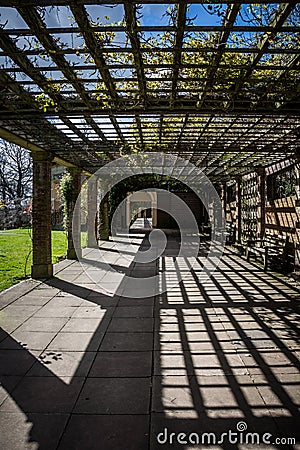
(16, 257)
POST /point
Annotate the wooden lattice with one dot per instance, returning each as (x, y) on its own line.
(216, 83)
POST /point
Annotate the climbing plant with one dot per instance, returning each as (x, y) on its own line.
(66, 186)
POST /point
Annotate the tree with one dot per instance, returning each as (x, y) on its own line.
(15, 173)
(15, 185)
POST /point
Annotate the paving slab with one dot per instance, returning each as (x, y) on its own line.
(127, 342)
(122, 364)
(134, 311)
(43, 324)
(32, 340)
(62, 364)
(84, 370)
(10, 295)
(137, 325)
(16, 362)
(23, 311)
(114, 396)
(109, 432)
(8, 383)
(31, 431)
(44, 394)
(55, 311)
(83, 325)
(92, 311)
(76, 341)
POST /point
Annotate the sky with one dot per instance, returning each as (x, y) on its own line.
(152, 15)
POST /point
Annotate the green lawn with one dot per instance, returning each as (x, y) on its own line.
(15, 254)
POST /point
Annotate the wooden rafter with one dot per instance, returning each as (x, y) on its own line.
(16, 3)
(94, 47)
(230, 17)
(140, 129)
(131, 30)
(180, 24)
(240, 112)
(34, 21)
(278, 20)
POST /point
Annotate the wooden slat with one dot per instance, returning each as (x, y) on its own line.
(94, 48)
(180, 24)
(131, 30)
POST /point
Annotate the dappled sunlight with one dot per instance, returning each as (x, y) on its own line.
(200, 357)
(227, 348)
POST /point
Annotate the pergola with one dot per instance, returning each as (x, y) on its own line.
(216, 83)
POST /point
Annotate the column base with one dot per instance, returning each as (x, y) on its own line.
(92, 244)
(104, 235)
(41, 271)
(72, 254)
(92, 241)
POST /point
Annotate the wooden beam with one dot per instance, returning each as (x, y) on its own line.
(36, 24)
(230, 17)
(131, 30)
(33, 148)
(180, 24)
(16, 3)
(277, 22)
(94, 47)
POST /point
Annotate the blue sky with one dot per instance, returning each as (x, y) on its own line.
(152, 15)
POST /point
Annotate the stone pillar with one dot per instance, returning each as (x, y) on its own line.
(297, 188)
(92, 212)
(154, 216)
(238, 213)
(154, 209)
(41, 216)
(128, 212)
(261, 202)
(224, 199)
(104, 230)
(73, 215)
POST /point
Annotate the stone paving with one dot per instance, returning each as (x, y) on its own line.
(81, 369)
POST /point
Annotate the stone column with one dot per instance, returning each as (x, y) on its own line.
(128, 218)
(104, 230)
(297, 188)
(224, 199)
(238, 213)
(92, 212)
(73, 215)
(261, 202)
(41, 216)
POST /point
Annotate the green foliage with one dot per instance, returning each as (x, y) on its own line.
(44, 101)
(66, 189)
(201, 75)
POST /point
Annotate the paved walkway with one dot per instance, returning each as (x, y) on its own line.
(84, 370)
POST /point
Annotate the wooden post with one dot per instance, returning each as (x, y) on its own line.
(261, 202)
(297, 188)
(238, 214)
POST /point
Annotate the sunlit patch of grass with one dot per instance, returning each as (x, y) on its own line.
(16, 256)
